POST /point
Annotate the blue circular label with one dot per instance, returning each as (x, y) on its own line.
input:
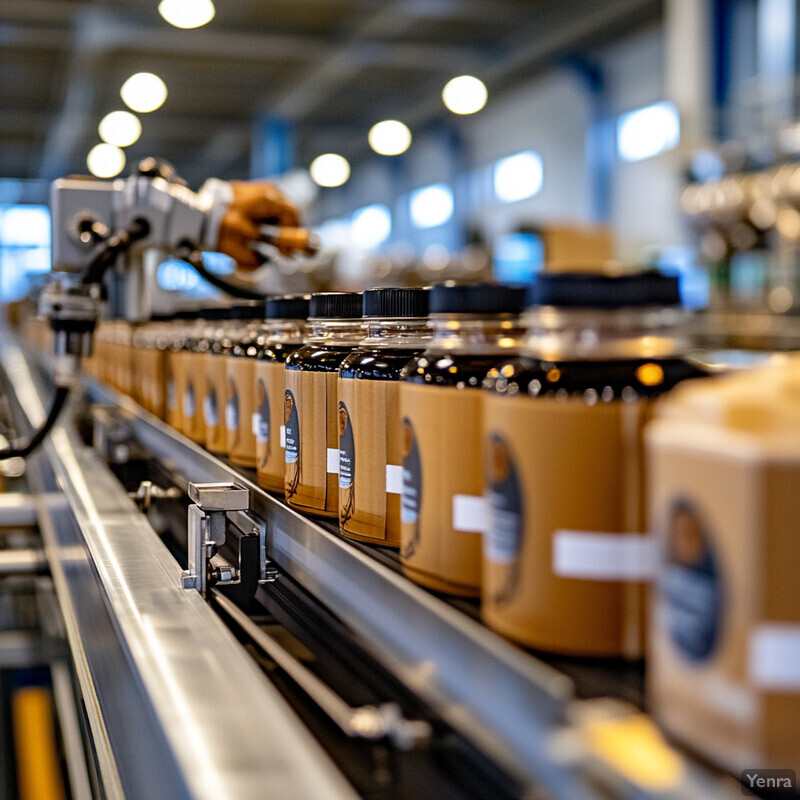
(347, 449)
(188, 400)
(503, 540)
(690, 585)
(210, 407)
(411, 497)
(292, 425)
(262, 432)
(232, 407)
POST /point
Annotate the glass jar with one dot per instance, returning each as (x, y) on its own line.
(220, 402)
(240, 369)
(124, 357)
(565, 561)
(149, 344)
(370, 441)
(310, 402)
(442, 507)
(195, 347)
(175, 373)
(284, 332)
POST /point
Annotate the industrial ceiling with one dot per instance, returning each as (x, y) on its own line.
(331, 68)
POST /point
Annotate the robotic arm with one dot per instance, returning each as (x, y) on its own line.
(155, 205)
(98, 225)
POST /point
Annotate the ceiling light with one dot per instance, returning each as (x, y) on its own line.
(144, 92)
(465, 94)
(120, 128)
(389, 138)
(330, 170)
(105, 160)
(187, 13)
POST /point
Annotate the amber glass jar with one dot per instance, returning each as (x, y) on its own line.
(442, 506)
(310, 402)
(566, 562)
(370, 440)
(150, 342)
(219, 402)
(185, 322)
(240, 371)
(284, 332)
(195, 347)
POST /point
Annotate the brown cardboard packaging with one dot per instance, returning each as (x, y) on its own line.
(724, 657)
(570, 248)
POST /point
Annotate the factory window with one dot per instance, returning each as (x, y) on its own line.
(431, 206)
(648, 131)
(371, 226)
(518, 177)
(335, 234)
(177, 276)
(24, 247)
(517, 257)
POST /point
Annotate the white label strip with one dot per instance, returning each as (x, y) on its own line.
(603, 556)
(470, 513)
(394, 479)
(283, 436)
(775, 656)
(333, 461)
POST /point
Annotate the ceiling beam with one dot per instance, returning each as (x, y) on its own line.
(76, 108)
(15, 121)
(332, 71)
(62, 11)
(532, 50)
(338, 69)
(98, 31)
(486, 11)
(122, 33)
(359, 51)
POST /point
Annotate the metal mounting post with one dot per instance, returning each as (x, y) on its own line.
(207, 520)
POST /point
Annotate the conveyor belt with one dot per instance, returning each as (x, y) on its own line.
(176, 707)
(510, 704)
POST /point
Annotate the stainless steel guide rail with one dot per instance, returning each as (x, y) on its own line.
(518, 710)
(508, 703)
(175, 706)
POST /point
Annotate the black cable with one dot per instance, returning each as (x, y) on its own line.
(193, 257)
(20, 451)
(107, 253)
